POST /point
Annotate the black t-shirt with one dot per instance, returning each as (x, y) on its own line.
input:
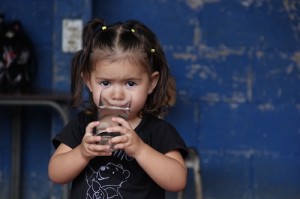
(119, 176)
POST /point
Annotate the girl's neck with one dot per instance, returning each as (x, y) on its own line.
(134, 121)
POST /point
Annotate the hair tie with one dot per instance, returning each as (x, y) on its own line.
(99, 27)
(152, 50)
(132, 30)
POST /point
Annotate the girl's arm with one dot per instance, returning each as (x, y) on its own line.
(66, 163)
(167, 170)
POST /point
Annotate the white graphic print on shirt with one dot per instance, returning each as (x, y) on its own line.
(99, 182)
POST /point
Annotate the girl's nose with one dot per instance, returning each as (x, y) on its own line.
(117, 94)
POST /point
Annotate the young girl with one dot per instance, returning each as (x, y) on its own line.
(149, 154)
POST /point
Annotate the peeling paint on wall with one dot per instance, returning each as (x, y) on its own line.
(255, 3)
(259, 54)
(266, 107)
(296, 58)
(221, 53)
(197, 4)
(290, 69)
(211, 98)
(185, 56)
(237, 97)
(292, 9)
(202, 71)
(210, 53)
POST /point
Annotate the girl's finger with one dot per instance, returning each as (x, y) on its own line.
(90, 139)
(90, 127)
(121, 121)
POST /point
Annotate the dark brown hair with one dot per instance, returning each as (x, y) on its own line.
(131, 40)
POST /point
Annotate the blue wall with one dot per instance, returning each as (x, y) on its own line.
(237, 65)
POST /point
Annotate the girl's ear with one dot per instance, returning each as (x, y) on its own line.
(153, 81)
(86, 81)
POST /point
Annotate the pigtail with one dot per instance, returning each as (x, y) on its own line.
(166, 83)
(76, 79)
(164, 95)
(81, 65)
(89, 33)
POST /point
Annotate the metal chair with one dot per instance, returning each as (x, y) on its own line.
(193, 162)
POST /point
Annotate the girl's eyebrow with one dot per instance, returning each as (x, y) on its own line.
(122, 79)
(132, 78)
(100, 78)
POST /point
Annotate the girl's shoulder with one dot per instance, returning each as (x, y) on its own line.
(161, 135)
(153, 122)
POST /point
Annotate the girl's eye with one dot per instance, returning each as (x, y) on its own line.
(130, 84)
(105, 83)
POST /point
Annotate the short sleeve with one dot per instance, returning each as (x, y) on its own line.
(166, 138)
(162, 136)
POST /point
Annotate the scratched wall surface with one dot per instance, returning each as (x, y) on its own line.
(237, 65)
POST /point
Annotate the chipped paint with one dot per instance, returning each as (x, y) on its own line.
(250, 85)
(197, 37)
(234, 105)
(202, 71)
(237, 97)
(296, 58)
(197, 4)
(220, 53)
(290, 69)
(191, 72)
(259, 54)
(185, 56)
(247, 153)
(211, 97)
(255, 3)
(291, 7)
(266, 107)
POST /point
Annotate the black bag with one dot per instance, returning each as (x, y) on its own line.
(16, 58)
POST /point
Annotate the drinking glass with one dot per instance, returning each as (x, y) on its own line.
(106, 111)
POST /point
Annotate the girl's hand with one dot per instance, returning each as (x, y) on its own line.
(129, 141)
(89, 146)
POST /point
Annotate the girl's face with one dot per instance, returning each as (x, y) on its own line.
(121, 79)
